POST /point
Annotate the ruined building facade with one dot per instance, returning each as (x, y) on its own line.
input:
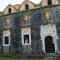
(30, 29)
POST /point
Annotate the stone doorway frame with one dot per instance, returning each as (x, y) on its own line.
(55, 43)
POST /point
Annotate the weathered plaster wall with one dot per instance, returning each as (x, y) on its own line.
(37, 19)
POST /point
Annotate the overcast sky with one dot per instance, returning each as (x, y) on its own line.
(4, 3)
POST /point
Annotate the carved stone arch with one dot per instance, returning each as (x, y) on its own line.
(27, 5)
(9, 9)
(49, 2)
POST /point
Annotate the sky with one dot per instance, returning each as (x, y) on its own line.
(4, 3)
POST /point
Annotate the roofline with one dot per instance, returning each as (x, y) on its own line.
(17, 4)
(31, 10)
(7, 7)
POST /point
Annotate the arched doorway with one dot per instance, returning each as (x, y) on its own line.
(49, 44)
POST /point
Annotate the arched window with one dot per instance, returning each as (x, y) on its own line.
(9, 10)
(49, 2)
(27, 6)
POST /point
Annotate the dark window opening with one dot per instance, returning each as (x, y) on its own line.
(6, 40)
(9, 10)
(26, 39)
(49, 2)
(26, 6)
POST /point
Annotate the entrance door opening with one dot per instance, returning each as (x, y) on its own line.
(49, 45)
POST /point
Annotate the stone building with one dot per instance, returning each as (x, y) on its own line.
(29, 28)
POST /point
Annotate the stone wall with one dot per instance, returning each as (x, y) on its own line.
(37, 18)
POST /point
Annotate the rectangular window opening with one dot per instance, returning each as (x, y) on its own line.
(6, 40)
(9, 10)
(26, 39)
(27, 6)
(49, 2)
